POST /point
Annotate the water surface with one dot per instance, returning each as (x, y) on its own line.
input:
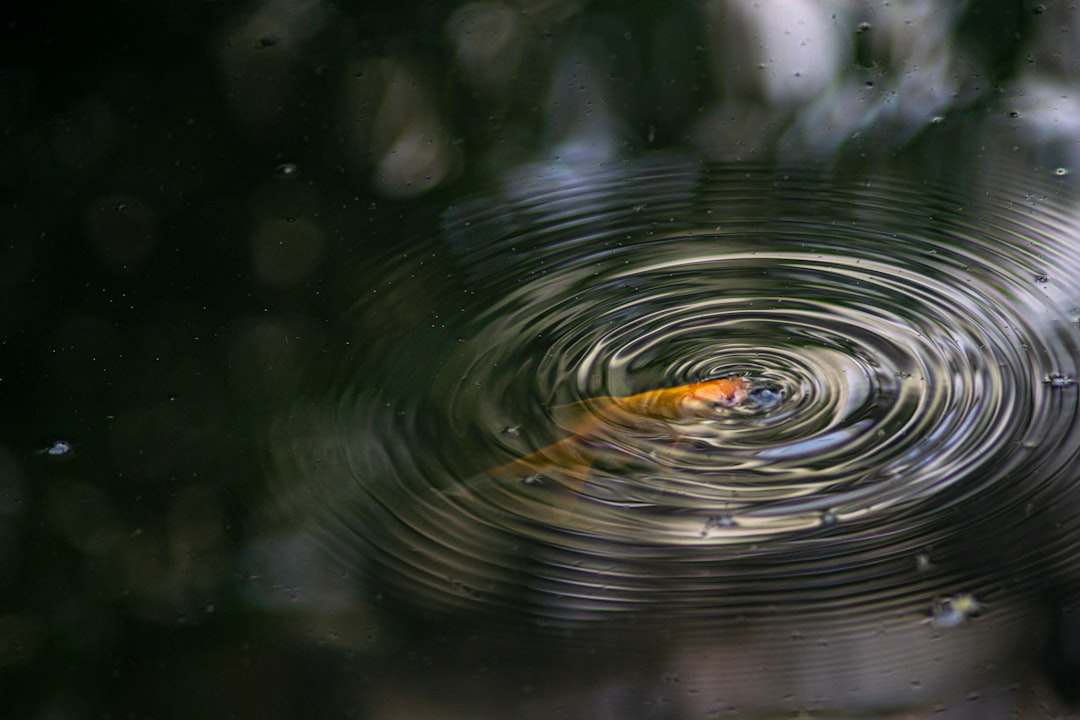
(920, 445)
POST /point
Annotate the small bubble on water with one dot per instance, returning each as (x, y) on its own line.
(534, 480)
(286, 170)
(1059, 381)
(512, 431)
(863, 27)
(828, 519)
(1061, 172)
(1042, 278)
(923, 562)
(718, 522)
(764, 397)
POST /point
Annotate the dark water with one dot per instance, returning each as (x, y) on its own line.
(883, 531)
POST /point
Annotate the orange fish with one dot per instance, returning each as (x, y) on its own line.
(571, 459)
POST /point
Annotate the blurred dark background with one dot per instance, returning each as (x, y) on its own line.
(181, 184)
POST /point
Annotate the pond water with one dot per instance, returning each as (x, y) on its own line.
(540, 359)
(903, 498)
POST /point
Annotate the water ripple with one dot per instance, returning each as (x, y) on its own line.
(902, 337)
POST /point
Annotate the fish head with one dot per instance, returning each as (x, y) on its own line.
(708, 397)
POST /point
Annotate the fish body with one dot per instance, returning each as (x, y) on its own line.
(687, 401)
(570, 460)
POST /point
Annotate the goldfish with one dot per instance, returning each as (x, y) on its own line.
(570, 460)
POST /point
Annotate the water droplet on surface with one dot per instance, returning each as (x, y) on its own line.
(286, 170)
(1059, 381)
(57, 448)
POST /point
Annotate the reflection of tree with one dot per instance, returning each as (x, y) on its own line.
(732, 79)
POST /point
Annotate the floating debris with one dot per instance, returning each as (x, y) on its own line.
(955, 610)
(533, 480)
(57, 448)
(718, 522)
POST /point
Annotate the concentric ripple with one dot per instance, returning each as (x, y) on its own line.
(913, 346)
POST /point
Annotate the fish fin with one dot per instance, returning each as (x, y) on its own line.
(567, 462)
(558, 473)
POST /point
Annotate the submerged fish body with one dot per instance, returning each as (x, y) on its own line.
(687, 401)
(570, 460)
